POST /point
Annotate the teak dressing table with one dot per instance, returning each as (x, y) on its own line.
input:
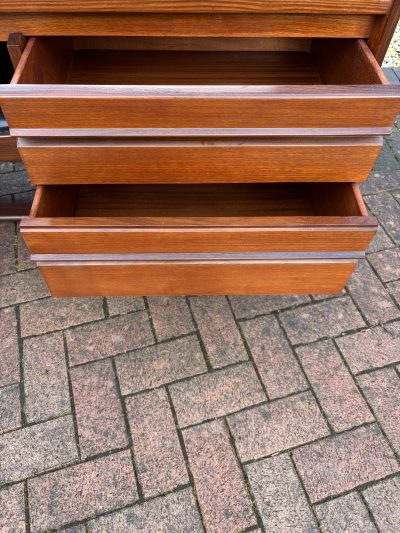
(198, 147)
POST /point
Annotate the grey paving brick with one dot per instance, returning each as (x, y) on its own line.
(279, 496)
(345, 514)
(387, 264)
(173, 513)
(12, 505)
(120, 305)
(384, 502)
(371, 348)
(387, 210)
(10, 408)
(323, 319)
(382, 390)
(35, 449)
(21, 287)
(9, 349)
(277, 426)
(371, 296)
(251, 306)
(45, 378)
(7, 254)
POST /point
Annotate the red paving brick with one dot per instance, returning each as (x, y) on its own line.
(278, 368)
(382, 390)
(108, 337)
(218, 330)
(160, 364)
(158, 455)
(219, 483)
(99, 416)
(342, 462)
(171, 316)
(45, 378)
(277, 426)
(81, 491)
(67, 432)
(58, 313)
(334, 386)
(217, 394)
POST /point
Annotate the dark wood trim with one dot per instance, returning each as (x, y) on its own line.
(15, 45)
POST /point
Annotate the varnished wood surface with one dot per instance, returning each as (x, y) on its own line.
(186, 25)
(129, 67)
(175, 279)
(200, 105)
(197, 219)
(198, 6)
(383, 31)
(36, 106)
(76, 161)
(8, 149)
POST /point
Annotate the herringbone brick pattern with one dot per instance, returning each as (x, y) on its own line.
(175, 415)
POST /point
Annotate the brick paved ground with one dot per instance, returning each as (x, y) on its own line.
(175, 415)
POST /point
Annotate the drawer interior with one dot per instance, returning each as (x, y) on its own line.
(197, 201)
(129, 62)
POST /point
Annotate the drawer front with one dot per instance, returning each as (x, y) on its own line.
(46, 106)
(198, 160)
(337, 84)
(84, 279)
(123, 219)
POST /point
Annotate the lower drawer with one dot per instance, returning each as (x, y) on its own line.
(155, 278)
(197, 160)
(197, 239)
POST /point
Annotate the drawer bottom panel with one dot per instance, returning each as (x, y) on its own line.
(174, 278)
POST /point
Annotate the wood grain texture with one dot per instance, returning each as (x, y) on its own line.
(197, 219)
(186, 25)
(15, 45)
(8, 149)
(46, 106)
(197, 279)
(49, 161)
(197, 6)
(383, 31)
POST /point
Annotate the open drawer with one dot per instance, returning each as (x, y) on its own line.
(197, 239)
(323, 84)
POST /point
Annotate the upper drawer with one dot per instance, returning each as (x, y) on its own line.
(333, 84)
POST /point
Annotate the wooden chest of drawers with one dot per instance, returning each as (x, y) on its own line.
(199, 147)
